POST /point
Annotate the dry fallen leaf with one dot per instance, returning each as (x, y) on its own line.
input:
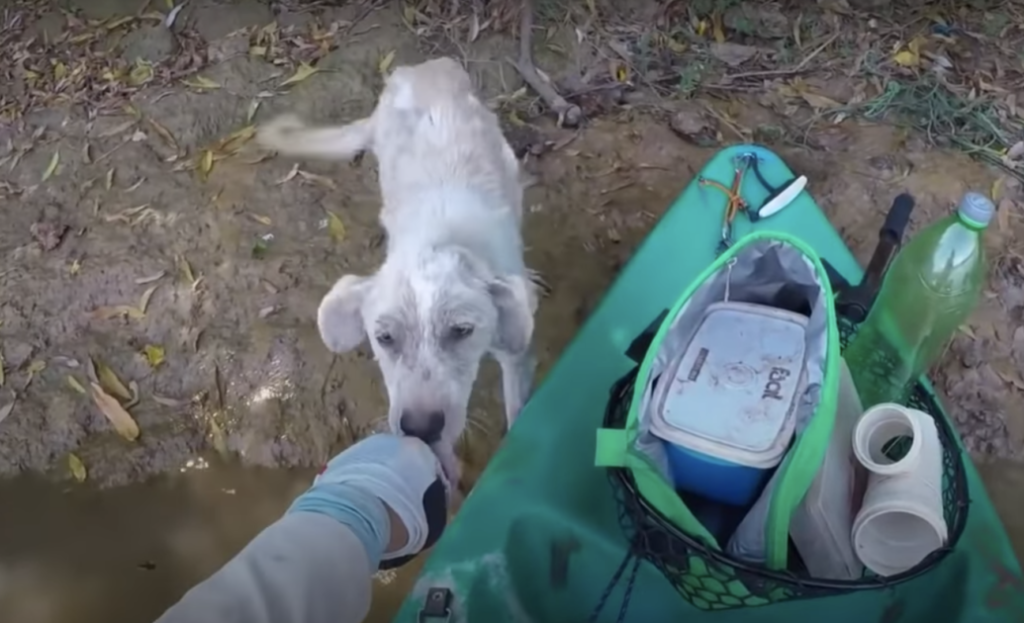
(34, 369)
(206, 164)
(718, 31)
(1005, 207)
(52, 167)
(75, 385)
(218, 438)
(186, 270)
(108, 380)
(122, 421)
(234, 141)
(911, 55)
(76, 467)
(200, 82)
(118, 129)
(154, 355)
(144, 299)
(335, 227)
(819, 102)
(6, 410)
(150, 279)
(169, 402)
(318, 179)
(250, 113)
(290, 176)
(165, 134)
(263, 220)
(3, 376)
(304, 71)
(87, 154)
(385, 63)
(109, 181)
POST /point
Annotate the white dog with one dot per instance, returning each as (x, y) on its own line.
(454, 285)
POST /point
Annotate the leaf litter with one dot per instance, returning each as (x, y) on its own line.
(77, 468)
(119, 418)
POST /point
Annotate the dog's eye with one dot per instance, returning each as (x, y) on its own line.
(461, 331)
(385, 339)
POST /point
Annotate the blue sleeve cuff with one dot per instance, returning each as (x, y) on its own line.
(361, 512)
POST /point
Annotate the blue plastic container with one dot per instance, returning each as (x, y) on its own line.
(726, 408)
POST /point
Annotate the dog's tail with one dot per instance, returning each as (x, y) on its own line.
(288, 135)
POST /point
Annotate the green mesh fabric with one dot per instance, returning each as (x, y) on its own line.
(710, 579)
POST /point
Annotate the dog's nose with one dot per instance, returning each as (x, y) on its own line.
(426, 426)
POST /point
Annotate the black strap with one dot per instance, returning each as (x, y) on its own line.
(642, 343)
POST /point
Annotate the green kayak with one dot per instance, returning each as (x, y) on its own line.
(539, 538)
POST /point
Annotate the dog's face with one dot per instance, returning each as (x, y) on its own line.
(429, 322)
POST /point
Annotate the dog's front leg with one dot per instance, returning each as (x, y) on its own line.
(516, 381)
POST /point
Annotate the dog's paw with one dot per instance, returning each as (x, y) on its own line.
(275, 133)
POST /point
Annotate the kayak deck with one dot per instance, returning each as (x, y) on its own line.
(539, 539)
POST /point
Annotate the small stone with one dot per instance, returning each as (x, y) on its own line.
(152, 44)
(694, 127)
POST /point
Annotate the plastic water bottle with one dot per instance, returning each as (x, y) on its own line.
(929, 290)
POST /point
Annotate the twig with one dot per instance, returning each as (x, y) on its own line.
(568, 114)
(783, 72)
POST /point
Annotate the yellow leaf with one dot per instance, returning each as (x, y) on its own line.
(335, 227)
(265, 220)
(154, 355)
(719, 33)
(60, 70)
(140, 74)
(206, 164)
(122, 421)
(52, 167)
(200, 82)
(75, 268)
(304, 71)
(75, 385)
(36, 367)
(258, 50)
(702, 27)
(121, 21)
(675, 45)
(77, 467)
(218, 438)
(186, 269)
(513, 117)
(385, 63)
(234, 141)
(907, 58)
(109, 381)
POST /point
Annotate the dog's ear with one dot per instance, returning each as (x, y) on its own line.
(340, 317)
(515, 298)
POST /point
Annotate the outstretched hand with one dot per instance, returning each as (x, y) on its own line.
(402, 473)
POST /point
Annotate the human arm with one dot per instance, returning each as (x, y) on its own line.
(381, 501)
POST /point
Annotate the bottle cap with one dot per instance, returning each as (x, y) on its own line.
(977, 208)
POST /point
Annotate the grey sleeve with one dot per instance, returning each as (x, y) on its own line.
(304, 568)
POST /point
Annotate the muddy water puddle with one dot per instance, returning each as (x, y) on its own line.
(128, 553)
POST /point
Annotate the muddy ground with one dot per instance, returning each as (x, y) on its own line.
(151, 180)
